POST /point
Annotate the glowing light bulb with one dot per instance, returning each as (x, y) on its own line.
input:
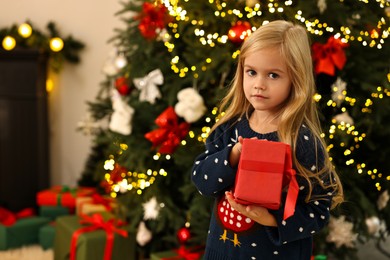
(25, 30)
(56, 44)
(9, 43)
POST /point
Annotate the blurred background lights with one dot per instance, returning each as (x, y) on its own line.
(56, 44)
(25, 30)
(9, 43)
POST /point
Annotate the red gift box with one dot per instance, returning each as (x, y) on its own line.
(264, 170)
(62, 196)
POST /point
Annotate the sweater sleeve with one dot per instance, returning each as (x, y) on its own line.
(212, 173)
(309, 217)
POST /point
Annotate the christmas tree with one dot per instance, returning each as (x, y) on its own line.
(163, 82)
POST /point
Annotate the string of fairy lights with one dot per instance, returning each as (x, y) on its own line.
(373, 38)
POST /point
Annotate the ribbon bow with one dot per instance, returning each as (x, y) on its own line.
(170, 133)
(98, 199)
(148, 86)
(328, 56)
(96, 222)
(8, 218)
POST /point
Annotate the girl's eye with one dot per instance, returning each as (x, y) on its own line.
(251, 73)
(273, 75)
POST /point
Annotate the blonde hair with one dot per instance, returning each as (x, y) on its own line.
(299, 108)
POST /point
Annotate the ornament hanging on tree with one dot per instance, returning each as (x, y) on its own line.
(190, 105)
(121, 84)
(383, 200)
(239, 32)
(170, 133)
(327, 57)
(148, 86)
(144, 235)
(154, 18)
(122, 116)
(88, 126)
(344, 118)
(338, 91)
(151, 209)
(341, 232)
(116, 175)
(183, 235)
(114, 63)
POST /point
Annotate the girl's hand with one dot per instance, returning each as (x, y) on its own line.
(235, 153)
(259, 214)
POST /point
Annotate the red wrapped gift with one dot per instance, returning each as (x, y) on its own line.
(62, 196)
(264, 170)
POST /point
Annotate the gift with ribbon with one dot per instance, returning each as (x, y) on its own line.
(46, 235)
(329, 56)
(62, 196)
(20, 228)
(148, 86)
(94, 203)
(99, 236)
(264, 171)
(170, 133)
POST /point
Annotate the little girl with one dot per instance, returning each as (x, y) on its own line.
(271, 97)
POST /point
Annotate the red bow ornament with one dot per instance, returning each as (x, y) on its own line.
(152, 18)
(170, 133)
(328, 56)
(96, 222)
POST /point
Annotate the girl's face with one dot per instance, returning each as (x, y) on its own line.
(266, 81)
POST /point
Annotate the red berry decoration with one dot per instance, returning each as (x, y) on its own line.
(239, 32)
(183, 235)
(122, 86)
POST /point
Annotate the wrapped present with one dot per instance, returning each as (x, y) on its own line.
(96, 237)
(53, 212)
(182, 253)
(46, 235)
(62, 196)
(93, 204)
(23, 231)
(264, 170)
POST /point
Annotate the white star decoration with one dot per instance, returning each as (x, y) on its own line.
(151, 209)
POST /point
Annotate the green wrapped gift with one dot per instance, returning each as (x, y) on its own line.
(90, 244)
(53, 212)
(46, 235)
(23, 232)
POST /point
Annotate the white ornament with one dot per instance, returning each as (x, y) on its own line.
(109, 66)
(341, 232)
(321, 4)
(151, 209)
(122, 116)
(344, 118)
(383, 200)
(373, 225)
(143, 234)
(120, 61)
(88, 126)
(190, 105)
(338, 91)
(148, 86)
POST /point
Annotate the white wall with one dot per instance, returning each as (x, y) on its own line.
(92, 22)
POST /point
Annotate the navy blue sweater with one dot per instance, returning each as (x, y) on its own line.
(212, 174)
